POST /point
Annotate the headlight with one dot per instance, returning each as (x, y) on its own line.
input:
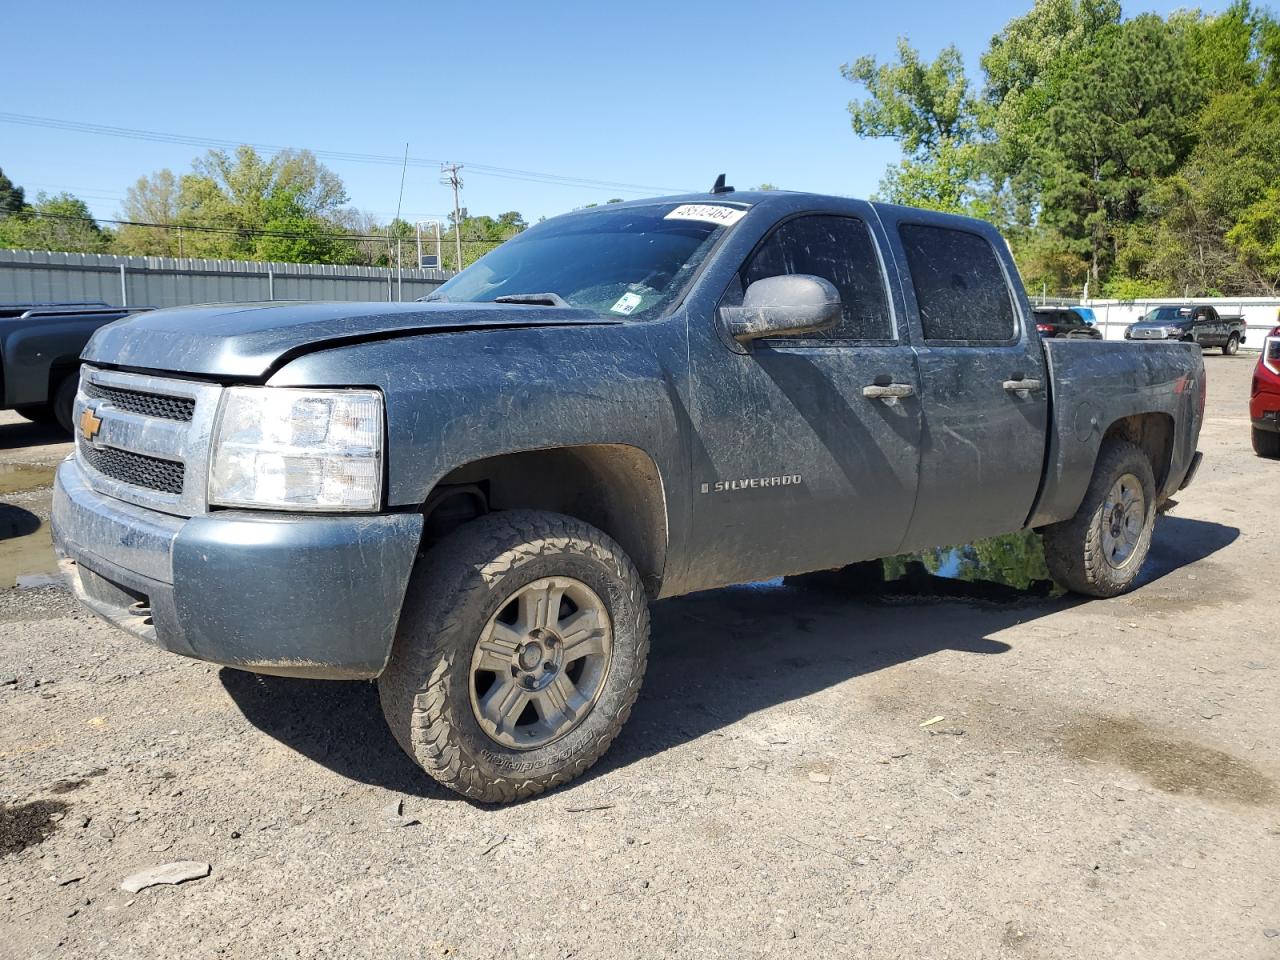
(293, 449)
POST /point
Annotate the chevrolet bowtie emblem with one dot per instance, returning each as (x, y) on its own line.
(90, 423)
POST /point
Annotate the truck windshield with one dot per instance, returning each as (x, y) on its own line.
(1167, 313)
(623, 262)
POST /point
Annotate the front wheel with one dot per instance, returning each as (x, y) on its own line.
(521, 650)
(1232, 346)
(1100, 551)
(64, 399)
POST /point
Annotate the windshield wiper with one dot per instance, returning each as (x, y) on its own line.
(433, 298)
(535, 299)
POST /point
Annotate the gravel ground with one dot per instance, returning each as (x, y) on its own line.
(1103, 782)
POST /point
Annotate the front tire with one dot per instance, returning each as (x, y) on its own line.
(64, 399)
(1232, 346)
(1266, 443)
(1100, 551)
(520, 653)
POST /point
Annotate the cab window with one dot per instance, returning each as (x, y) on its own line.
(838, 249)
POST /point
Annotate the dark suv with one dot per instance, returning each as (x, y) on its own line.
(1064, 322)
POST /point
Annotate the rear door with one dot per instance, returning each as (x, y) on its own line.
(1207, 329)
(798, 469)
(983, 378)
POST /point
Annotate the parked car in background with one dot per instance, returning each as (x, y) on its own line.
(1264, 398)
(1064, 322)
(474, 498)
(40, 346)
(1193, 323)
(1087, 315)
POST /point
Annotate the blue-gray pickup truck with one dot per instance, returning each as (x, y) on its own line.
(475, 499)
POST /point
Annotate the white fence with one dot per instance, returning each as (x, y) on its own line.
(1260, 313)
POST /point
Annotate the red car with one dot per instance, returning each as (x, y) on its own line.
(1264, 398)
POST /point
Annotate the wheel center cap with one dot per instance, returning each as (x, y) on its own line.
(530, 655)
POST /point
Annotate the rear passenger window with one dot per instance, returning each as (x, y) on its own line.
(960, 289)
(839, 249)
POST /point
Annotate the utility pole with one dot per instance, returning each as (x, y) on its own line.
(449, 175)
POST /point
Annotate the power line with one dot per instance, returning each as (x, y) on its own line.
(488, 170)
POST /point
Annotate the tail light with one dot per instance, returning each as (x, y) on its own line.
(1045, 327)
(1204, 395)
(1271, 351)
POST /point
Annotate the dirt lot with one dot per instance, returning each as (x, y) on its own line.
(1103, 783)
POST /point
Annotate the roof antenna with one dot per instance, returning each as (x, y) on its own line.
(719, 186)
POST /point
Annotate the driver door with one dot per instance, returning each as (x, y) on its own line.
(797, 469)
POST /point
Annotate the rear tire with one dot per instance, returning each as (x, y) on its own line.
(1232, 346)
(37, 413)
(1100, 551)
(64, 398)
(520, 581)
(1266, 443)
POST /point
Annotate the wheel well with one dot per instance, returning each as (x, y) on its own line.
(614, 487)
(1153, 433)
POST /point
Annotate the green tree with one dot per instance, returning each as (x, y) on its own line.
(59, 222)
(12, 197)
(1123, 119)
(153, 199)
(923, 105)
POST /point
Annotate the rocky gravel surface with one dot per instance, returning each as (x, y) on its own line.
(1099, 779)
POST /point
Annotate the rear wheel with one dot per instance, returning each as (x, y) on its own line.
(1100, 551)
(520, 653)
(1232, 346)
(36, 413)
(1266, 443)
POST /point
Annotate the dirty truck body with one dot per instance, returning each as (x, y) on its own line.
(474, 500)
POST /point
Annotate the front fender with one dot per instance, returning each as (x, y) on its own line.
(455, 398)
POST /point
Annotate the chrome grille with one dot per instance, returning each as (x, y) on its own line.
(145, 404)
(136, 469)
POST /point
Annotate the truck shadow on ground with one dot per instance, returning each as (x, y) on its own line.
(716, 658)
(14, 436)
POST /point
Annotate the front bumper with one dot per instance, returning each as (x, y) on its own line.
(315, 596)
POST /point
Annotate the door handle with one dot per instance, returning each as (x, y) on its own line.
(890, 393)
(1022, 387)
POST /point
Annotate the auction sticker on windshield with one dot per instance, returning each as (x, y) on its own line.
(707, 213)
(627, 303)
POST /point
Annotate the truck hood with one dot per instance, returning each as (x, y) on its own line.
(1159, 324)
(249, 341)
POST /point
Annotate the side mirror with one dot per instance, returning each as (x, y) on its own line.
(783, 306)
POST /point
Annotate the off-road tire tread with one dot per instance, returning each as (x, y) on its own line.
(415, 687)
(1073, 548)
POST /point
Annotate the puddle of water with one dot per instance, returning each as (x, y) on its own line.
(24, 825)
(1014, 560)
(20, 477)
(26, 549)
(1004, 569)
(1174, 766)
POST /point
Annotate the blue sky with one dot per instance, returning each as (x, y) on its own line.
(657, 94)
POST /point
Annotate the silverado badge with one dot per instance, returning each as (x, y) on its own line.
(90, 423)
